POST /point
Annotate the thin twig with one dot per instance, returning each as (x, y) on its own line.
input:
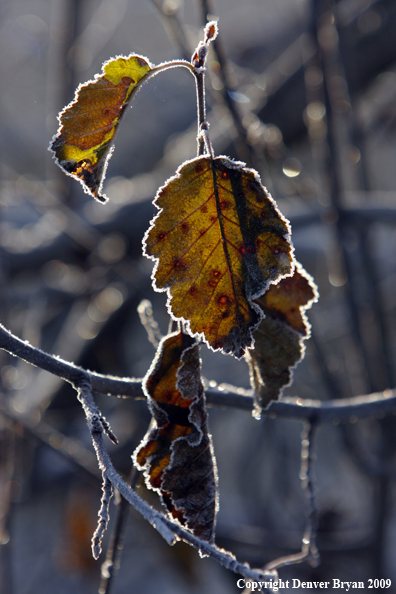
(176, 30)
(111, 565)
(104, 517)
(145, 311)
(309, 551)
(198, 62)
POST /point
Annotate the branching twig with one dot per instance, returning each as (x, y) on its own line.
(81, 380)
(84, 382)
(170, 531)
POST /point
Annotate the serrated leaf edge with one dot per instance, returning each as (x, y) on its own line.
(239, 165)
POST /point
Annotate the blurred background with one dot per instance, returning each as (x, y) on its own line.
(305, 92)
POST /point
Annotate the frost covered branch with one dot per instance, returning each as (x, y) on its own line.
(98, 426)
(292, 407)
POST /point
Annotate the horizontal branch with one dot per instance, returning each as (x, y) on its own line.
(317, 411)
(291, 407)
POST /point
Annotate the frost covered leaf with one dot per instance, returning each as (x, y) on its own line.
(279, 339)
(176, 454)
(218, 241)
(82, 145)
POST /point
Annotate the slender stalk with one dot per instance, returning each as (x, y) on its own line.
(308, 552)
(201, 111)
(168, 65)
(111, 564)
(198, 62)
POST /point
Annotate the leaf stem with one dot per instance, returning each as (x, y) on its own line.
(171, 64)
(201, 111)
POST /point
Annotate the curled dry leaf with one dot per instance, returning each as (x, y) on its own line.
(218, 242)
(279, 339)
(82, 145)
(177, 454)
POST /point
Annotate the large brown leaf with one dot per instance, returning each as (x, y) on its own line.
(218, 242)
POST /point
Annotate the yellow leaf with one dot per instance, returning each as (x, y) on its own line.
(218, 242)
(82, 145)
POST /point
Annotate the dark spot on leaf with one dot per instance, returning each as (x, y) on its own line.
(179, 264)
(204, 208)
(140, 61)
(161, 236)
(212, 283)
(223, 300)
(213, 218)
(193, 291)
(248, 249)
(224, 204)
(185, 226)
(224, 175)
(216, 273)
(127, 80)
(168, 397)
(256, 189)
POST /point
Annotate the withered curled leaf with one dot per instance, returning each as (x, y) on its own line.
(177, 454)
(83, 144)
(218, 242)
(279, 339)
